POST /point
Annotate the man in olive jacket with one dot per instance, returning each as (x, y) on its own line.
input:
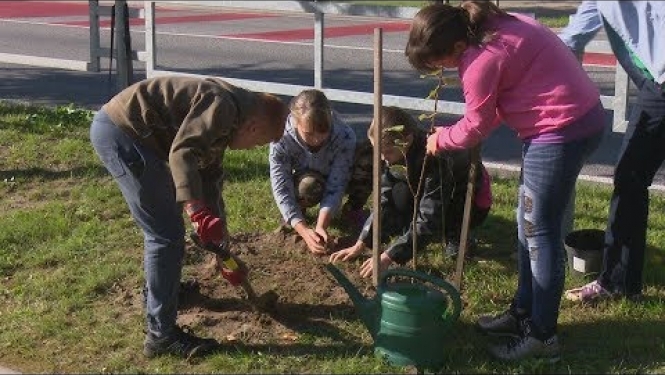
(163, 141)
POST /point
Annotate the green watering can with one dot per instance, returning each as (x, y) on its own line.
(408, 321)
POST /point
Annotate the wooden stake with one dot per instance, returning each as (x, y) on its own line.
(474, 158)
(376, 163)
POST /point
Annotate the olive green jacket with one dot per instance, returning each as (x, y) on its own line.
(188, 122)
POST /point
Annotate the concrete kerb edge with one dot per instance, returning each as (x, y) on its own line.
(5, 370)
(515, 169)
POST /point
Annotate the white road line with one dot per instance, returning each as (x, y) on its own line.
(226, 37)
(229, 37)
(206, 36)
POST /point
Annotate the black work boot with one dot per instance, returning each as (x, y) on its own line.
(179, 343)
(508, 323)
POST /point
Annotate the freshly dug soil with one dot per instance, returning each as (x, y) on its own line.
(307, 299)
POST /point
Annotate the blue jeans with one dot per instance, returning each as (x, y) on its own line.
(642, 153)
(148, 189)
(549, 174)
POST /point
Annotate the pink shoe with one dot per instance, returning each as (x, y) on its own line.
(590, 292)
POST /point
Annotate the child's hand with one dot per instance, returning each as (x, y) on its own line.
(432, 141)
(322, 233)
(349, 253)
(315, 242)
(367, 269)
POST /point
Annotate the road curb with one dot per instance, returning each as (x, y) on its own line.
(5, 370)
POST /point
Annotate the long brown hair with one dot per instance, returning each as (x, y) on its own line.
(437, 27)
(395, 116)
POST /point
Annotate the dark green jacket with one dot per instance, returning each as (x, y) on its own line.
(442, 194)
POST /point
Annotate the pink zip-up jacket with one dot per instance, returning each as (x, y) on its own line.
(526, 77)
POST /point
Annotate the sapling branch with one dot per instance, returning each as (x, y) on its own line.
(434, 95)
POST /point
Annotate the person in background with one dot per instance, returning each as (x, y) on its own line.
(441, 197)
(636, 32)
(163, 141)
(584, 26)
(515, 70)
(317, 161)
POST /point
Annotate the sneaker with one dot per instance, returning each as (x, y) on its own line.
(452, 248)
(179, 343)
(528, 346)
(592, 291)
(508, 323)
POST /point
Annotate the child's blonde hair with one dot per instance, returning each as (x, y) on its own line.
(392, 117)
(312, 111)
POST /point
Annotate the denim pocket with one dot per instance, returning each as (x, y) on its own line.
(112, 162)
(136, 167)
(118, 162)
(134, 161)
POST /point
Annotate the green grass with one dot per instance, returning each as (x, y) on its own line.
(68, 245)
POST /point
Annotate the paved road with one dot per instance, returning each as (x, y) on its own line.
(266, 46)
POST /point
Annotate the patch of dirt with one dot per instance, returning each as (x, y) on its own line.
(309, 299)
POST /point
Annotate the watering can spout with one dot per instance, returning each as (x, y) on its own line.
(366, 308)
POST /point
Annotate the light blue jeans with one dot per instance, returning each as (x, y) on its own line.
(148, 189)
(549, 174)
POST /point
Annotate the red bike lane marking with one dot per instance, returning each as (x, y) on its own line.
(46, 9)
(590, 58)
(27, 9)
(22, 9)
(329, 32)
(601, 59)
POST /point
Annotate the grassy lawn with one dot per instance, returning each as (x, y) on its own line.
(68, 244)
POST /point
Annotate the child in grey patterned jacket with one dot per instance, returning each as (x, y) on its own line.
(313, 163)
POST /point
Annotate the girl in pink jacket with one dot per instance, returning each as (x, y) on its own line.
(515, 71)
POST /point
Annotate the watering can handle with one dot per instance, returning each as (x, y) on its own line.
(452, 292)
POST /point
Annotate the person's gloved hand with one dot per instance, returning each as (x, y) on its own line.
(234, 276)
(209, 227)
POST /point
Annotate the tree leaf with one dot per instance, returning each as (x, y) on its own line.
(394, 129)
